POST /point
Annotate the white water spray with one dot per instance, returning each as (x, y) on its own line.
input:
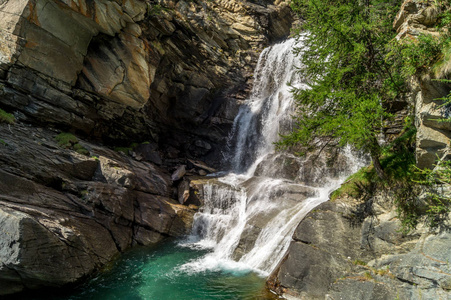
(250, 215)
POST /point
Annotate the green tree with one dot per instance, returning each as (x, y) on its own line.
(343, 57)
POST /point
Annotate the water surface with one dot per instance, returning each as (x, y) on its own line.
(158, 273)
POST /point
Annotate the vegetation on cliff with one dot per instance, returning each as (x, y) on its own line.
(357, 69)
(344, 57)
(6, 117)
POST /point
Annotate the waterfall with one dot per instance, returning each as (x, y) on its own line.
(250, 214)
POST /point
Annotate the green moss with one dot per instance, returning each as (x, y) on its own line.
(70, 141)
(358, 262)
(125, 150)
(82, 151)
(368, 276)
(6, 117)
(66, 140)
(355, 184)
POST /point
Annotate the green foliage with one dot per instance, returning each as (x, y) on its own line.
(125, 150)
(444, 18)
(343, 59)
(70, 141)
(398, 161)
(66, 140)
(355, 185)
(398, 157)
(419, 55)
(80, 149)
(355, 67)
(358, 262)
(6, 117)
(368, 276)
(156, 9)
(445, 102)
(437, 201)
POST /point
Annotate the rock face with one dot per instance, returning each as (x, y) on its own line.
(349, 249)
(420, 17)
(134, 70)
(63, 215)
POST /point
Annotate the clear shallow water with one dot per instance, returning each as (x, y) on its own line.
(156, 273)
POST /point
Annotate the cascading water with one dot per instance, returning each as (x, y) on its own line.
(250, 214)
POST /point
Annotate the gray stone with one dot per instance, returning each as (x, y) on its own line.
(178, 173)
(76, 211)
(338, 254)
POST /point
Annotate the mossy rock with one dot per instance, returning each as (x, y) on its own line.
(125, 150)
(6, 117)
(70, 141)
(66, 140)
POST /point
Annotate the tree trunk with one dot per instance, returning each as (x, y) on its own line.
(377, 166)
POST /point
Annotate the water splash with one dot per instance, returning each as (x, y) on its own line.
(250, 214)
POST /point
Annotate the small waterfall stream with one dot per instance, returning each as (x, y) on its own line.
(250, 214)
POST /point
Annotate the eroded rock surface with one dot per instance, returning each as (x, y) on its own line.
(135, 70)
(63, 215)
(414, 19)
(349, 249)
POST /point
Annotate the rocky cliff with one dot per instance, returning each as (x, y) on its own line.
(130, 71)
(63, 215)
(420, 18)
(354, 249)
(165, 76)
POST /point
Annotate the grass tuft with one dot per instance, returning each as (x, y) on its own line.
(69, 141)
(66, 140)
(6, 117)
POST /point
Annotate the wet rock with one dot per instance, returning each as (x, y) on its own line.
(183, 191)
(202, 165)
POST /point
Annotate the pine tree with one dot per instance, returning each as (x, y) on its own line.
(344, 57)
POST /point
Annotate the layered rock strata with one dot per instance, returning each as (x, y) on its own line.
(417, 18)
(133, 70)
(349, 249)
(63, 215)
